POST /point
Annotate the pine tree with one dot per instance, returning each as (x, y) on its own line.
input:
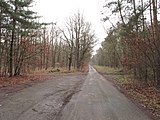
(21, 23)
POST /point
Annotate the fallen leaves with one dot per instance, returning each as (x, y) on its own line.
(146, 94)
(10, 81)
(60, 70)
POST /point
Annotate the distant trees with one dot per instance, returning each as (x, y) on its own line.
(80, 39)
(133, 43)
(26, 45)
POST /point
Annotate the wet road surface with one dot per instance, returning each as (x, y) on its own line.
(41, 101)
(70, 97)
(99, 100)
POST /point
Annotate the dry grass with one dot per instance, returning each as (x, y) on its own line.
(60, 70)
(104, 69)
(10, 81)
(147, 95)
(51, 70)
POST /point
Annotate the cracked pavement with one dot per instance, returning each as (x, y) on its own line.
(70, 97)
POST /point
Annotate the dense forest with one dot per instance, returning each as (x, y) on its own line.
(27, 45)
(133, 43)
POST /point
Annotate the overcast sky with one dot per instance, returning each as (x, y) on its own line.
(59, 10)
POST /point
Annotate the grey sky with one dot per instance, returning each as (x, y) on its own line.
(59, 10)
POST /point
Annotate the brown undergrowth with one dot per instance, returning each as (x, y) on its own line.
(146, 95)
(37, 76)
(10, 81)
(60, 70)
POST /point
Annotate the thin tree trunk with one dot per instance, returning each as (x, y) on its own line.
(12, 43)
(156, 37)
(12, 49)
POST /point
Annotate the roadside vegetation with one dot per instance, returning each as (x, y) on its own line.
(27, 45)
(130, 52)
(146, 95)
(133, 41)
(39, 75)
(20, 80)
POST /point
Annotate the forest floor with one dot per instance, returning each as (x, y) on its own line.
(37, 76)
(145, 95)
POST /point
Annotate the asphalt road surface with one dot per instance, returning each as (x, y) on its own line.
(40, 101)
(69, 97)
(99, 100)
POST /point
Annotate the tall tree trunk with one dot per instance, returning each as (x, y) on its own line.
(0, 49)
(12, 42)
(157, 41)
(12, 49)
(120, 12)
(70, 62)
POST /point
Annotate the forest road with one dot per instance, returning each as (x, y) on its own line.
(69, 97)
(100, 100)
(41, 100)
